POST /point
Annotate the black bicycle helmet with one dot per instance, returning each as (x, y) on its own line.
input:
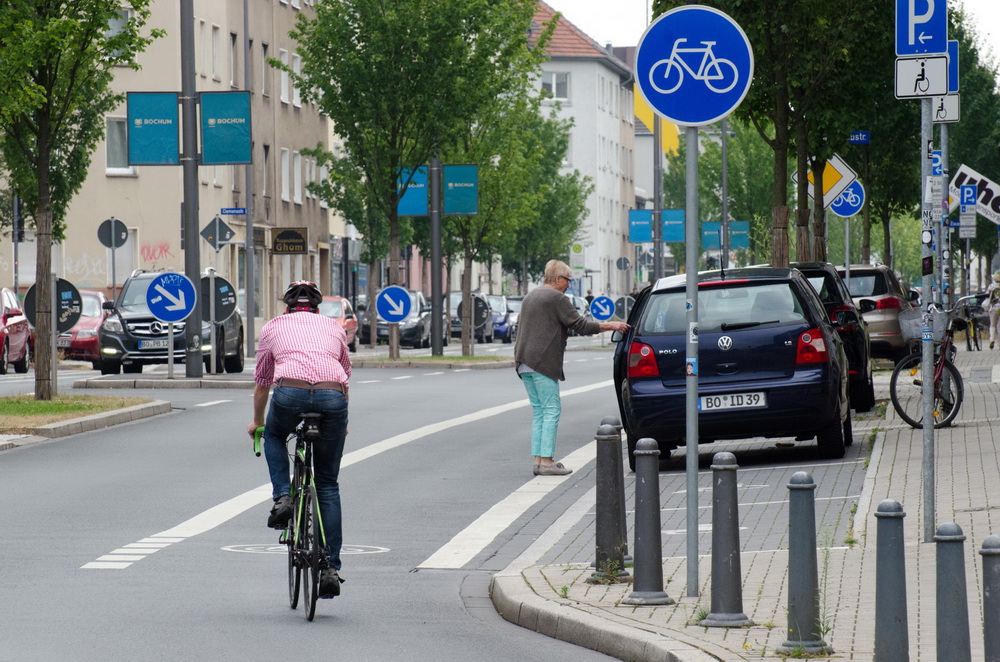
(302, 295)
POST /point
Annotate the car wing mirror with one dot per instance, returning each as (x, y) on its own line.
(108, 305)
(866, 305)
(617, 336)
(845, 317)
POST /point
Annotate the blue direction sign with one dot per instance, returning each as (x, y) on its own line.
(171, 297)
(860, 138)
(952, 66)
(393, 304)
(969, 194)
(850, 201)
(921, 27)
(694, 65)
(602, 308)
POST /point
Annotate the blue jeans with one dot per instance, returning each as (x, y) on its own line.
(282, 416)
(543, 394)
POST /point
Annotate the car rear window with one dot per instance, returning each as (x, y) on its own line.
(867, 285)
(723, 305)
(331, 309)
(826, 290)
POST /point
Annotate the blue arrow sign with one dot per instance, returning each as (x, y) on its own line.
(850, 201)
(937, 163)
(921, 27)
(969, 193)
(393, 304)
(693, 65)
(952, 66)
(171, 297)
(602, 308)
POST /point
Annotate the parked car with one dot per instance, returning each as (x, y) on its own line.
(414, 329)
(131, 337)
(770, 363)
(880, 297)
(502, 327)
(340, 310)
(483, 333)
(14, 334)
(514, 306)
(581, 306)
(848, 322)
(80, 343)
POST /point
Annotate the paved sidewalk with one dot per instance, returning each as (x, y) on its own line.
(555, 599)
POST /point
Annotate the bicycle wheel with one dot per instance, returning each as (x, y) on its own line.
(906, 391)
(721, 76)
(310, 554)
(670, 81)
(970, 333)
(978, 335)
(292, 537)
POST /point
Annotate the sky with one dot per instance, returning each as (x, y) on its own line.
(622, 22)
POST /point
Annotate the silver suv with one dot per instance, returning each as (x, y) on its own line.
(880, 297)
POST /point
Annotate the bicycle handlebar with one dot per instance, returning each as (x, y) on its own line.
(937, 307)
(258, 433)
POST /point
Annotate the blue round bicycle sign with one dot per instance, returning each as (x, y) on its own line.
(850, 201)
(694, 65)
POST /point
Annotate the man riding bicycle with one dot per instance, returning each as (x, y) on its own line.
(304, 355)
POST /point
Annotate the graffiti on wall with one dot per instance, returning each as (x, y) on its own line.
(155, 252)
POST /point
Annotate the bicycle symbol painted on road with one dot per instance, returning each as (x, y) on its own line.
(719, 74)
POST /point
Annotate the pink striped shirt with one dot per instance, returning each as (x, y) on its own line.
(305, 346)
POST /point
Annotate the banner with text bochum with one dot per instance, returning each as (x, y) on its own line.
(153, 136)
(225, 128)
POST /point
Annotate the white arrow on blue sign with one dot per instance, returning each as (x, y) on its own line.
(393, 304)
(693, 65)
(602, 308)
(850, 201)
(171, 297)
(921, 27)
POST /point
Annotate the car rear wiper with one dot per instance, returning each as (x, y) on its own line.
(726, 326)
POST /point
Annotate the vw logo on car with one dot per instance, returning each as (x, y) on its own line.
(725, 343)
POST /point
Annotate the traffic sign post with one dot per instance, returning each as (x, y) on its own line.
(113, 234)
(171, 297)
(919, 77)
(850, 201)
(602, 308)
(837, 177)
(393, 304)
(921, 27)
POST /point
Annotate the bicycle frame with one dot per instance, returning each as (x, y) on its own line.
(707, 53)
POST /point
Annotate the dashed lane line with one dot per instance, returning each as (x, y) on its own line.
(213, 402)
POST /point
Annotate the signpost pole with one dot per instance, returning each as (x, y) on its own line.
(657, 198)
(213, 334)
(55, 332)
(691, 266)
(114, 261)
(192, 257)
(927, 345)
(724, 243)
(248, 249)
(944, 243)
(437, 294)
(170, 344)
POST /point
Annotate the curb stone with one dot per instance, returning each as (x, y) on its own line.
(88, 423)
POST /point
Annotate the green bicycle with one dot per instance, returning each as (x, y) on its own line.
(304, 535)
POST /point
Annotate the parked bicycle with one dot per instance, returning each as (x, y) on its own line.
(906, 385)
(973, 314)
(304, 535)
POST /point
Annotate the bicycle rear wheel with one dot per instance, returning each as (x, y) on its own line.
(978, 336)
(906, 392)
(310, 554)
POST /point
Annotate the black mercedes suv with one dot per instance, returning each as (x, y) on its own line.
(132, 337)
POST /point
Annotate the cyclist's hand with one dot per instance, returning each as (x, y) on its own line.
(252, 428)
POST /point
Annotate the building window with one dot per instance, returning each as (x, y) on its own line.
(201, 49)
(233, 58)
(283, 57)
(249, 74)
(265, 72)
(297, 70)
(117, 24)
(216, 53)
(265, 170)
(556, 84)
(297, 178)
(285, 167)
(117, 148)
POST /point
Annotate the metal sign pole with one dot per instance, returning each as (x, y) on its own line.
(657, 198)
(52, 338)
(170, 355)
(211, 315)
(691, 265)
(927, 344)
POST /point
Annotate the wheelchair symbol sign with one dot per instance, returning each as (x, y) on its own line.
(694, 65)
(850, 201)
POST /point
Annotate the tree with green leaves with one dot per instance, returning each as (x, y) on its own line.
(57, 68)
(403, 80)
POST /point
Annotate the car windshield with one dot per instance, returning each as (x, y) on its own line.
(91, 306)
(514, 305)
(332, 309)
(134, 295)
(867, 285)
(496, 303)
(721, 307)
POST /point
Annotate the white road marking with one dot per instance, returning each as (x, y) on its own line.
(474, 538)
(402, 377)
(369, 381)
(432, 374)
(214, 402)
(227, 510)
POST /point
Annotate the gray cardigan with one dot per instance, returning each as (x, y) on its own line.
(546, 317)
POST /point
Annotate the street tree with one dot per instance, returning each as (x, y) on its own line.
(401, 80)
(57, 68)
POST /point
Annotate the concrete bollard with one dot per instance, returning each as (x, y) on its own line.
(991, 597)
(953, 642)
(891, 633)
(610, 563)
(620, 489)
(727, 576)
(648, 584)
(803, 573)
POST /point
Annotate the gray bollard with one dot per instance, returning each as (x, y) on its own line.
(610, 563)
(803, 573)
(991, 597)
(647, 589)
(952, 598)
(727, 576)
(620, 489)
(891, 630)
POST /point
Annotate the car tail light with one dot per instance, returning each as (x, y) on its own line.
(811, 348)
(642, 361)
(833, 316)
(888, 303)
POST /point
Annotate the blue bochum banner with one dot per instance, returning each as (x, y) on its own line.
(461, 189)
(413, 202)
(225, 128)
(153, 136)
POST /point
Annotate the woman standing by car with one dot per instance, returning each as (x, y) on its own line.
(993, 307)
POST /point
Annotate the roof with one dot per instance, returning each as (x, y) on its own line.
(570, 42)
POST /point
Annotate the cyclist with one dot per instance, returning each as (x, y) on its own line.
(304, 356)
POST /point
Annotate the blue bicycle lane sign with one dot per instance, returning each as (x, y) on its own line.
(694, 65)
(850, 201)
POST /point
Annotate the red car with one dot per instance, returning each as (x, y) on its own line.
(80, 343)
(14, 333)
(340, 309)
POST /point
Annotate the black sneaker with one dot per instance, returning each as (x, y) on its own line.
(281, 512)
(329, 583)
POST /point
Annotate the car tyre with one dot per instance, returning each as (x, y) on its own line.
(132, 368)
(22, 365)
(353, 345)
(863, 396)
(110, 367)
(831, 440)
(4, 356)
(848, 432)
(235, 363)
(95, 364)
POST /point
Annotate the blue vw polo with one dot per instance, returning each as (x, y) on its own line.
(770, 363)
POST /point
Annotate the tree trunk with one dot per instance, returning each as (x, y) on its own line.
(468, 333)
(393, 277)
(44, 319)
(779, 201)
(819, 245)
(803, 252)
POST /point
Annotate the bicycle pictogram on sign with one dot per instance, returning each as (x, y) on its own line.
(719, 74)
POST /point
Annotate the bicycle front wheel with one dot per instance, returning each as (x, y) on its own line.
(906, 392)
(310, 553)
(293, 536)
